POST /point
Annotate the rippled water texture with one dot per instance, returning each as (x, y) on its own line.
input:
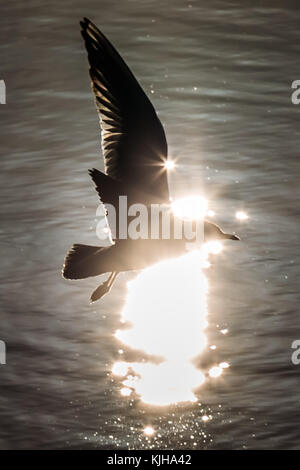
(219, 73)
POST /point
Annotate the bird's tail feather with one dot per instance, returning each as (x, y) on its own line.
(83, 261)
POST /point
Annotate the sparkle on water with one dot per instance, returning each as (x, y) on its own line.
(224, 365)
(126, 392)
(165, 316)
(241, 215)
(120, 369)
(149, 431)
(215, 371)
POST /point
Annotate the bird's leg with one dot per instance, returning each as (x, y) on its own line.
(104, 288)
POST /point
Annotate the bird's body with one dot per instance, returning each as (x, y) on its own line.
(134, 147)
(125, 255)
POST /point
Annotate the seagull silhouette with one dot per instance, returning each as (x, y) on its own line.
(134, 147)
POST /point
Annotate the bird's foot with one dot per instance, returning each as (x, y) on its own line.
(100, 291)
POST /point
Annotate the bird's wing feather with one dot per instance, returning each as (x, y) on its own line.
(133, 140)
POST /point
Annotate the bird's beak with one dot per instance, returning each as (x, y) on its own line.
(234, 237)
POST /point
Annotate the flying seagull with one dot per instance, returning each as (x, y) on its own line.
(134, 147)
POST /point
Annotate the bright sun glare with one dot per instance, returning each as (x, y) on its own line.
(169, 165)
(194, 207)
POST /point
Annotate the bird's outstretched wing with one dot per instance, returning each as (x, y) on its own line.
(133, 140)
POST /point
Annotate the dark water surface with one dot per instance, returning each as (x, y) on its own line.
(219, 73)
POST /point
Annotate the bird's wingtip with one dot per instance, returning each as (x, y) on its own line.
(92, 172)
(84, 22)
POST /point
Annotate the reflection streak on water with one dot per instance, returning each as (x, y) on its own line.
(166, 309)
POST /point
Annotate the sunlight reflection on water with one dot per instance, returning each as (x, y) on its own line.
(165, 315)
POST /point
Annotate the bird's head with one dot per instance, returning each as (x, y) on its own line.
(213, 232)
